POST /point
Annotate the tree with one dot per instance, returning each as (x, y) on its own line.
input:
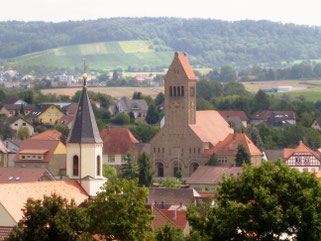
(242, 156)
(16, 112)
(22, 111)
(64, 130)
(40, 129)
(262, 204)
(53, 218)
(132, 117)
(145, 173)
(129, 170)
(168, 233)
(144, 133)
(261, 101)
(110, 173)
(6, 132)
(121, 118)
(254, 135)
(119, 213)
(227, 74)
(152, 116)
(306, 119)
(213, 161)
(137, 96)
(160, 98)
(23, 133)
(203, 104)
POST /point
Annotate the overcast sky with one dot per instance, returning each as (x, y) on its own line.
(287, 11)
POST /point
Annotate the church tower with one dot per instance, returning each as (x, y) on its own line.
(84, 147)
(180, 93)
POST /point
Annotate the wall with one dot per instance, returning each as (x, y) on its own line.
(51, 115)
(21, 123)
(5, 218)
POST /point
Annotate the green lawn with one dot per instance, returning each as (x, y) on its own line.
(310, 95)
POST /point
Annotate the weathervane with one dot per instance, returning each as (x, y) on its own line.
(84, 76)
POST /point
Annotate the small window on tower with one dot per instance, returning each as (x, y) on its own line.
(174, 90)
(178, 91)
(192, 90)
(182, 90)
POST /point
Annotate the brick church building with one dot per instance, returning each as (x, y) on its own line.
(187, 136)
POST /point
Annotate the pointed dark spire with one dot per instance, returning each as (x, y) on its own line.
(84, 128)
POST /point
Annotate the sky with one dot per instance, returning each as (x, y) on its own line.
(305, 12)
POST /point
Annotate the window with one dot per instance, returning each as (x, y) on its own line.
(33, 157)
(98, 166)
(163, 149)
(123, 158)
(56, 113)
(39, 157)
(16, 124)
(174, 90)
(182, 90)
(28, 157)
(170, 91)
(24, 124)
(111, 158)
(160, 169)
(199, 150)
(178, 91)
(23, 157)
(50, 120)
(192, 90)
(158, 149)
(154, 149)
(176, 168)
(75, 166)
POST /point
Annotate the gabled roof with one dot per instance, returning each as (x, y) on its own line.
(14, 195)
(23, 174)
(84, 128)
(186, 66)
(47, 135)
(212, 175)
(117, 140)
(301, 148)
(178, 217)
(39, 109)
(211, 127)
(66, 119)
(17, 107)
(70, 109)
(281, 115)
(273, 155)
(160, 219)
(36, 145)
(13, 119)
(232, 113)
(318, 120)
(132, 105)
(229, 145)
(172, 196)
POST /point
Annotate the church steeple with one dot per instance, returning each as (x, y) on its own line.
(84, 128)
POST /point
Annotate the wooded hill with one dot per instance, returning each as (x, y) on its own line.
(209, 43)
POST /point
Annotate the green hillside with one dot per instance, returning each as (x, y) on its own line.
(100, 56)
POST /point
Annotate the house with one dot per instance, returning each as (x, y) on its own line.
(274, 119)
(173, 218)
(50, 154)
(302, 158)
(12, 203)
(46, 114)
(273, 155)
(208, 177)
(16, 122)
(227, 149)
(66, 120)
(47, 135)
(11, 109)
(19, 174)
(138, 107)
(187, 133)
(316, 124)
(239, 118)
(70, 109)
(117, 143)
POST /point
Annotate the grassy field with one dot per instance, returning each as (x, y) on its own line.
(115, 92)
(104, 56)
(311, 91)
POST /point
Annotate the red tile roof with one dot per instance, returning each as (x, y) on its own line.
(229, 113)
(37, 145)
(301, 148)
(117, 140)
(211, 126)
(47, 135)
(160, 219)
(178, 217)
(228, 147)
(21, 174)
(212, 175)
(14, 195)
(186, 66)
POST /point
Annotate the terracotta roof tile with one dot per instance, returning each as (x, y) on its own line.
(211, 126)
(180, 220)
(117, 140)
(301, 148)
(160, 219)
(230, 144)
(212, 175)
(186, 66)
(14, 196)
(47, 135)
(21, 174)
(230, 113)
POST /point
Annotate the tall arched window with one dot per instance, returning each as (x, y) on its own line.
(75, 165)
(174, 90)
(98, 166)
(160, 169)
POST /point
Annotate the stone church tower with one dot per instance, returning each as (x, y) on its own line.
(84, 147)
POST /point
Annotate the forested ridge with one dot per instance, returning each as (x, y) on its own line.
(208, 42)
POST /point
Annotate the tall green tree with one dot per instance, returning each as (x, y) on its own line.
(53, 218)
(22, 110)
(119, 213)
(160, 98)
(6, 132)
(261, 101)
(146, 174)
(23, 133)
(227, 74)
(264, 203)
(242, 156)
(110, 173)
(213, 161)
(129, 169)
(152, 116)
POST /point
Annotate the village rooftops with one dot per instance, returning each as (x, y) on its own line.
(23, 174)
(231, 113)
(301, 148)
(47, 135)
(266, 114)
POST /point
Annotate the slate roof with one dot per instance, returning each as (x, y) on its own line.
(212, 175)
(133, 105)
(281, 115)
(273, 155)
(13, 119)
(38, 110)
(14, 195)
(84, 128)
(211, 127)
(17, 107)
(117, 140)
(22, 174)
(172, 196)
(4, 232)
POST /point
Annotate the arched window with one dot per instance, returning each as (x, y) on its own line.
(182, 91)
(98, 166)
(160, 169)
(174, 90)
(75, 165)
(193, 167)
(176, 168)
(178, 91)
